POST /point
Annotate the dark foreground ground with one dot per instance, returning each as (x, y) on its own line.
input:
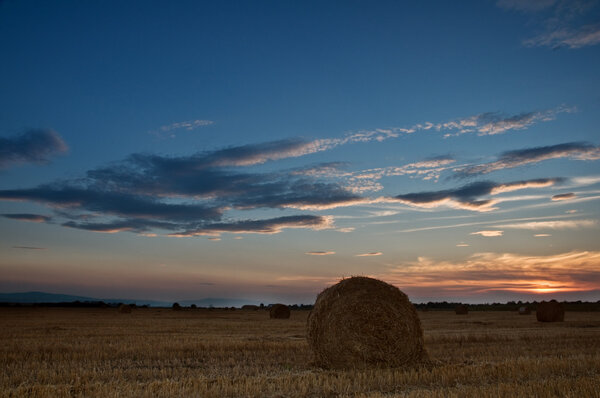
(60, 352)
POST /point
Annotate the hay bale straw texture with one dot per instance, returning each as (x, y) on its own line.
(125, 309)
(362, 322)
(524, 310)
(279, 311)
(461, 309)
(550, 311)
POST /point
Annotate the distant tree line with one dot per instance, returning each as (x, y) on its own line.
(583, 306)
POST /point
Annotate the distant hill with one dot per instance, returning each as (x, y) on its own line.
(44, 297)
(41, 297)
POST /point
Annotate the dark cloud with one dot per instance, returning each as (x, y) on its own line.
(471, 196)
(300, 194)
(185, 176)
(244, 155)
(259, 153)
(564, 196)
(29, 248)
(113, 203)
(33, 146)
(130, 225)
(320, 253)
(268, 226)
(511, 159)
(27, 217)
(189, 193)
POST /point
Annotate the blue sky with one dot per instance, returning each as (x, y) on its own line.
(264, 150)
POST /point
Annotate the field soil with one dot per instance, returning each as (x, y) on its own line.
(64, 352)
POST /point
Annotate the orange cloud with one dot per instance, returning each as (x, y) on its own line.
(486, 272)
(561, 224)
(488, 234)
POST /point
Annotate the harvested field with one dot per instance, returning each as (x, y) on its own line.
(55, 352)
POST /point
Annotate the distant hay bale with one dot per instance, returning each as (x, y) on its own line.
(124, 309)
(250, 307)
(524, 310)
(461, 309)
(279, 311)
(176, 307)
(193, 306)
(550, 311)
(362, 322)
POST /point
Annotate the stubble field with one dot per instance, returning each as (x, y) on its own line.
(60, 352)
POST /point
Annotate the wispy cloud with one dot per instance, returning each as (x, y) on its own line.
(563, 23)
(428, 169)
(33, 146)
(488, 233)
(462, 244)
(542, 235)
(564, 196)
(558, 224)
(526, 5)
(371, 254)
(27, 217)
(471, 196)
(320, 253)
(521, 157)
(188, 125)
(492, 123)
(484, 272)
(587, 35)
(29, 248)
(487, 123)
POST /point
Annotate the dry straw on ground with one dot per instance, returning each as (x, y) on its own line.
(362, 322)
(124, 309)
(279, 311)
(461, 309)
(550, 311)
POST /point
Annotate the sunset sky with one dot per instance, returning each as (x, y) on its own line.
(265, 149)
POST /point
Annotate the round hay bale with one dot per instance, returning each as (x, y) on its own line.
(279, 311)
(176, 307)
(124, 309)
(250, 307)
(550, 311)
(524, 310)
(461, 309)
(362, 322)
